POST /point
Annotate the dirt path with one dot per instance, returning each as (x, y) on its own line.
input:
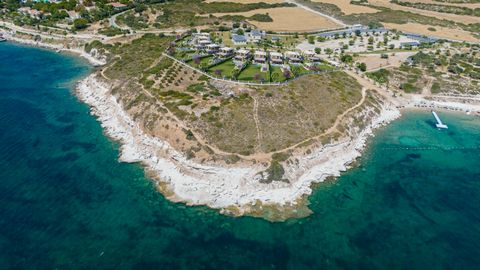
(257, 124)
(427, 90)
(267, 156)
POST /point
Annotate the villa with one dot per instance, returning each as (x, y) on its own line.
(30, 12)
(118, 6)
(202, 45)
(239, 39)
(354, 30)
(242, 55)
(255, 36)
(260, 57)
(276, 58)
(212, 48)
(293, 57)
(312, 56)
(225, 52)
(410, 44)
(73, 15)
(421, 38)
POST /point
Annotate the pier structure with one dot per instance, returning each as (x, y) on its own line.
(439, 125)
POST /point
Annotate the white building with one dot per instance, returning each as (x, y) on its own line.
(260, 57)
(312, 56)
(255, 36)
(293, 57)
(239, 39)
(276, 58)
(225, 52)
(242, 55)
(212, 48)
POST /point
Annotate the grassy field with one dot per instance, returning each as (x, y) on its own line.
(190, 13)
(184, 55)
(253, 73)
(287, 114)
(203, 62)
(135, 57)
(277, 74)
(299, 70)
(225, 69)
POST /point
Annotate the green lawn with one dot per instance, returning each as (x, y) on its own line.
(225, 68)
(203, 62)
(279, 77)
(324, 67)
(184, 55)
(299, 70)
(249, 73)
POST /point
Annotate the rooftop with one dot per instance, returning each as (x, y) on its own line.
(117, 5)
(243, 51)
(239, 38)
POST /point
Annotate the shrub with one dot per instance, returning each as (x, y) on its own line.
(80, 23)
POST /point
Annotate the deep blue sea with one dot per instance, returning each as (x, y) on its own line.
(413, 202)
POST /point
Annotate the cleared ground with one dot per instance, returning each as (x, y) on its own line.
(288, 19)
(348, 8)
(469, 5)
(442, 32)
(439, 15)
(374, 61)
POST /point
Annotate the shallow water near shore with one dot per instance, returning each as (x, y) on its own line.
(66, 202)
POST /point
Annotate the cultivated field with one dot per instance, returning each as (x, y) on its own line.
(288, 19)
(439, 15)
(441, 32)
(348, 8)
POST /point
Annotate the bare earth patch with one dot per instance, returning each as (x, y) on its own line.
(374, 61)
(348, 8)
(289, 19)
(442, 32)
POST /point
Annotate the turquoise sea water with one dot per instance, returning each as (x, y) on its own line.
(67, 203)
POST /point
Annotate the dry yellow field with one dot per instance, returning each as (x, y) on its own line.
(348, 8)
(247, 1)
(469, 5)
(439, 15)
(289, 19)
(442, 32)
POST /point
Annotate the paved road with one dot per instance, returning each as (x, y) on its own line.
(113, 21)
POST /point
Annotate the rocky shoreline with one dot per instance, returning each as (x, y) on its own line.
(213, 185)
